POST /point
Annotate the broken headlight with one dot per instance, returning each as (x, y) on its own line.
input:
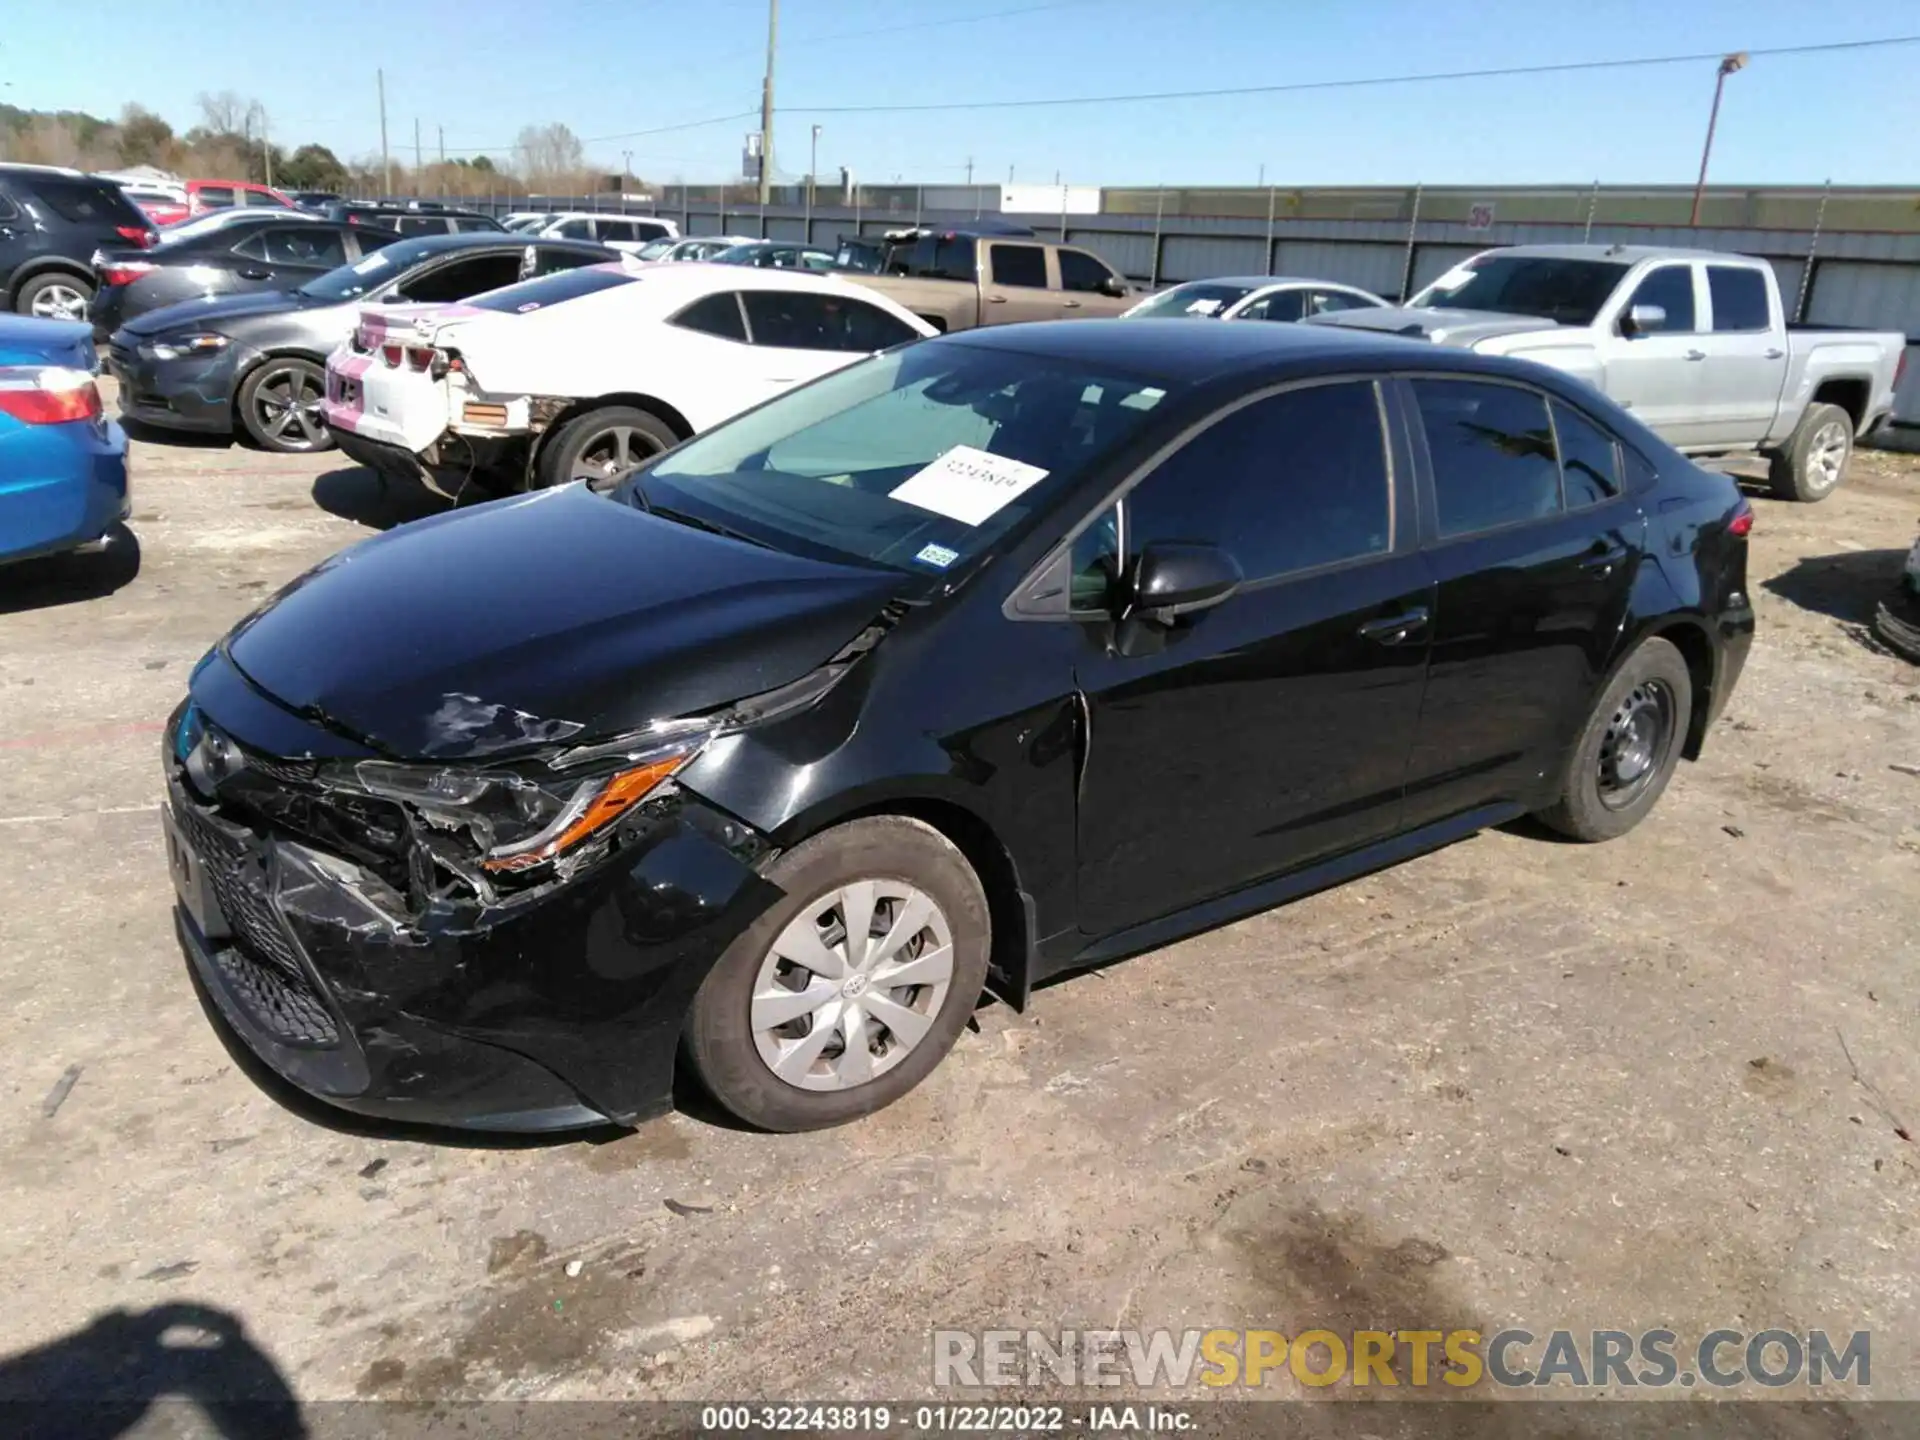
(509, 819)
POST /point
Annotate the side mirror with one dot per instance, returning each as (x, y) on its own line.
(1644, 319)
(1174, 578)
(1114, 288)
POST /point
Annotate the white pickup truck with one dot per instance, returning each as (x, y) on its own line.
(1694, 342)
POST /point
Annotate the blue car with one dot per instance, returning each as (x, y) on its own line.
(63, 464)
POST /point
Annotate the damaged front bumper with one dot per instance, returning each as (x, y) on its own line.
(554, 1008)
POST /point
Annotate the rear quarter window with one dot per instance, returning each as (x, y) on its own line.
(82, 202)
(548, 290)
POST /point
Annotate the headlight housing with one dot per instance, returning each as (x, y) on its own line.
(527, 821)
(180, 347)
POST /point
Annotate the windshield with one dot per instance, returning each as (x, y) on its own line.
(656, 249)
(919, 459)
(350, 282)
(1568, 292)
(860, 255)
(1200, 301)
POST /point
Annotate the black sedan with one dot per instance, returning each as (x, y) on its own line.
(258, 362)
(991, 657)
(247, 252)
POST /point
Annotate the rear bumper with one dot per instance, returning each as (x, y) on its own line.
(447, 467)
(194, 394)
(61, 487)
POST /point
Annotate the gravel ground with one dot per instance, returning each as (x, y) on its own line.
(1666, 1081)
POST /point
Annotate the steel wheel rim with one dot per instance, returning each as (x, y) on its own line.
(613, 453)
(1634, 748)
(287, 406)
(1827, 455)
(60, 302)
(852, 985)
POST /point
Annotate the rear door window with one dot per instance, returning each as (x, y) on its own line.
(1292, 482)
(217, 195)
(577, 228)
(422, 225)
(935, 257)
(1739, 297)
(650, 230)
(311, 246)
(1589, 462)
(80, 201)
(1492, 453)
(1021, 265)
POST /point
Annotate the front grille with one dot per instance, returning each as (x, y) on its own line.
(288, 772)
(266, 973)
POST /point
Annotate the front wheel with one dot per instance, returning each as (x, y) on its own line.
(280, 407)
(1629, 748)
(603, 445)
(1815, 460)
(846, 993)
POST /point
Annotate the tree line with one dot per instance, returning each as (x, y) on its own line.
(233, 141)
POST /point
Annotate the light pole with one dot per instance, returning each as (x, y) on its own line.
(766, 112)
(1728, 64)
(813, 169)
(626, 175)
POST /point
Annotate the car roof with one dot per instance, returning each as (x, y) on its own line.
(1181, 352)
(1622, 254)
(597, 215)
(499, 240)
(1261, 282)
(696, 277)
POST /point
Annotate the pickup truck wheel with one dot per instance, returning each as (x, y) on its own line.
(1815, 460)
(605, 444)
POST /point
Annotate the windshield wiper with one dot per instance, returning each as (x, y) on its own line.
(697, 522)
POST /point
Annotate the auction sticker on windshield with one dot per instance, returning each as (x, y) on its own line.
(968, 485)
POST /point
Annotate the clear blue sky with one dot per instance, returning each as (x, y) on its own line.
(484, 68)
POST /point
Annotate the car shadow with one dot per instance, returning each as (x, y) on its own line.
(366, 497)
(104, 1379)
(178, 439)
(51, 580)
(1848, 586)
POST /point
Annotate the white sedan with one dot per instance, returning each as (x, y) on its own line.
(1253, 297)
(586, 373)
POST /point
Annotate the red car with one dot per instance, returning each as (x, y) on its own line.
(205, 195)
(162, 207)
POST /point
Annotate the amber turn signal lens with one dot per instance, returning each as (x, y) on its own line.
(619, 795)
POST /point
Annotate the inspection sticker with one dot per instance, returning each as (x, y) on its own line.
(938, 556)
(1203, 307)
(968, 485)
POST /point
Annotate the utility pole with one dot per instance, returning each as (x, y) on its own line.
(1728, 65)
(386, 161)
(766, 109)
(442, 132)
(266, 149)
(418, 163)
(813, 169)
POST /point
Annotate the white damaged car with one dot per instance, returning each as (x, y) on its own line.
(587, 373)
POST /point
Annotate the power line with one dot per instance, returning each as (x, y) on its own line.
(1429, 77)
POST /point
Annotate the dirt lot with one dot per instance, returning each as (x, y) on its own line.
(1515, 1082)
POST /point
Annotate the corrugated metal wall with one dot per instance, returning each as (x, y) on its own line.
(1129, 254)
(1196, 257)
(1371, 266)
(1886, 297)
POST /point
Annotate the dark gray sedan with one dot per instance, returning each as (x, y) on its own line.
(257, 363)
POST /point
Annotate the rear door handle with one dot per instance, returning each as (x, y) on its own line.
(1396, 629)
(1775, 354)
(1602, 560)
(1696, 354)
(996, 299)
(1070, 305)
(254, 272)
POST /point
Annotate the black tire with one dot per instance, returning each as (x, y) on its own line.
(570, 453)
(40, 285)
(1797, 472)
(720, 1042)
(279, 406)
(1606, 792)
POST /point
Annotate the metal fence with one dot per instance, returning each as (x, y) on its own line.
(1828, 276)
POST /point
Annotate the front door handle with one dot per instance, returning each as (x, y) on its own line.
(254, 272)
(996, 299)
(1696, 354)
(1070, 305)
(1396, 629)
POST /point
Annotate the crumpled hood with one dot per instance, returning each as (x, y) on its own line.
(1461, 329)
(532, 621)
(211, 310)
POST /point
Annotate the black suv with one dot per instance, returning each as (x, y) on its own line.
(51, 222)
(411, 220)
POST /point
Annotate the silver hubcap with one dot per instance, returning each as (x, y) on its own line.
(288, 406)
(853, 983)
(60, 302)
(1827, 455)
(613, 454)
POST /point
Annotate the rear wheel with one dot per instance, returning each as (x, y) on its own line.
(54, 297)
(1815, 460)
(280, 406)
(847, 993)
(1629, 748)
(604, 445)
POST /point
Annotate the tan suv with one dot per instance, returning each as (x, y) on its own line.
(956, 279)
